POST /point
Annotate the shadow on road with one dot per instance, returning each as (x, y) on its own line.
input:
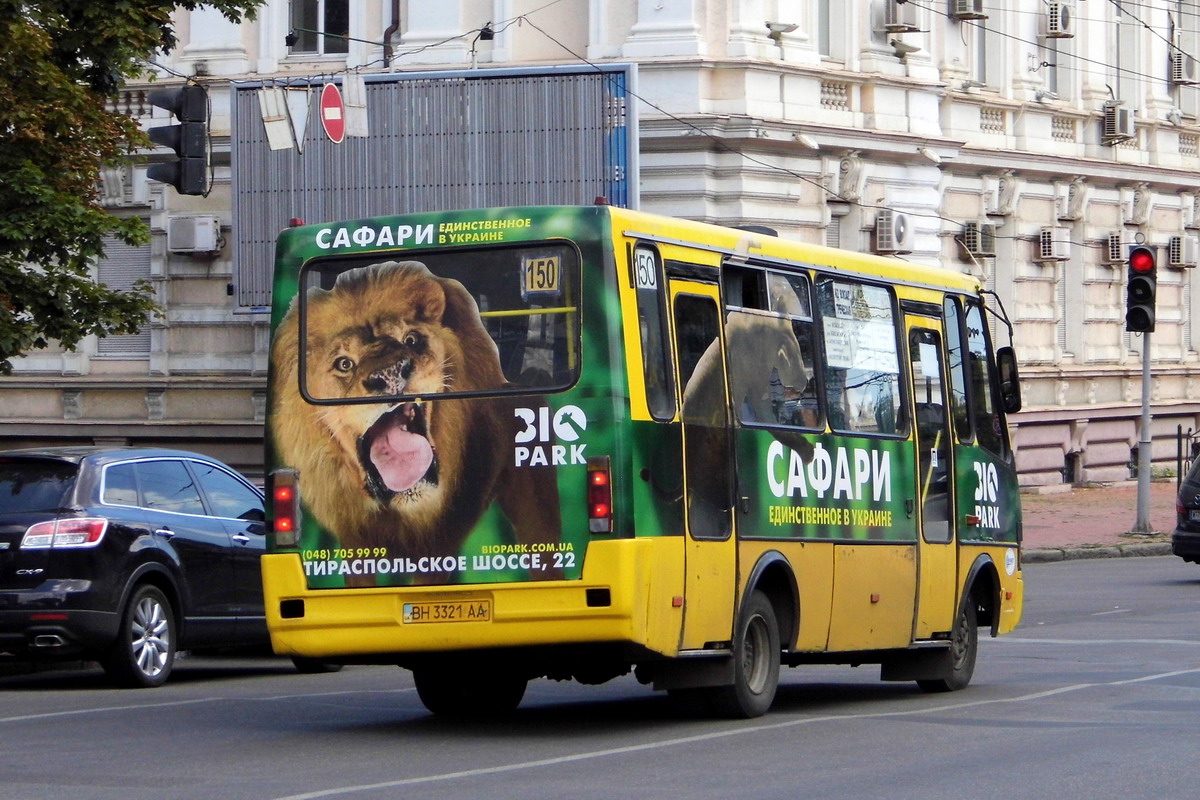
(88, 676)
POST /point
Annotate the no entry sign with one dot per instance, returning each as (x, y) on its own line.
(333, 113)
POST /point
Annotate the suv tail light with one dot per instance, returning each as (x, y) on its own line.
(284, 491)
(599, 494)
(59, 533)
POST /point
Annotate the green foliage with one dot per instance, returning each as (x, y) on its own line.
(60, 61)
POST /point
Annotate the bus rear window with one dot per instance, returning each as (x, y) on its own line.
(468, 322)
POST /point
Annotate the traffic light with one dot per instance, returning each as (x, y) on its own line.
(189, 139)
(1139, 293)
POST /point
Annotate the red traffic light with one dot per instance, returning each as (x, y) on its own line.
(1141, 260)
(1140, 290)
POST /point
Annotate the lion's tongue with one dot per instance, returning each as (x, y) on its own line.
(401, 458)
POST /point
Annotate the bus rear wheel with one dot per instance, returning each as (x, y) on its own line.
(457, 692)
(959, 664)
(755, 662)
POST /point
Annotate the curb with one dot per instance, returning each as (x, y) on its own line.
(1048, 554)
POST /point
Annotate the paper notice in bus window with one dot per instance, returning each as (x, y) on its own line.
(645, 268)
(540, 276)
(928, 364)
(844, 295)
(851, 345)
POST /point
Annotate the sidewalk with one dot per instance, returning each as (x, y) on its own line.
(1094, 522)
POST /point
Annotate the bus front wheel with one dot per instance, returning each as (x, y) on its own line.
(755, 662)
(462, 693)
(960, 657)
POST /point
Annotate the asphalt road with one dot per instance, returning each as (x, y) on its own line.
(1097, 695)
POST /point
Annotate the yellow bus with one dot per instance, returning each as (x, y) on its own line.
(576, 442)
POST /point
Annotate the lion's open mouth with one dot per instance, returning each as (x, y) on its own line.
(396, 452)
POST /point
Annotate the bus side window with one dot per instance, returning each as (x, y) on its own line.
(958, 370)
(861, 372)
(770, 349)
(791, 295)
(982, 385)
(656, 356)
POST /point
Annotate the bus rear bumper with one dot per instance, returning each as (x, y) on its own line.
(616, 601)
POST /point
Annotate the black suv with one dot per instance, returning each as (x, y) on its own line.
(1185, 542)
(126, 555)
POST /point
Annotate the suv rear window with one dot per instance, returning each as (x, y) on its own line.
(28, 484)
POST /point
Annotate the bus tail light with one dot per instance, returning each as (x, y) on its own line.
(599, 494)
(284, 491)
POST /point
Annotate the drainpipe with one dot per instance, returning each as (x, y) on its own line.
(387, 35)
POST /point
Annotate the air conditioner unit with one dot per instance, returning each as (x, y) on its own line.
(900, 17)
(1114, 248)
(892, 233)
(1183, 70)
(1054, 244)
(979, 238)
(1119, 123)
(1056, 24)
(1183, 251)
(967, 9)
(194, 235)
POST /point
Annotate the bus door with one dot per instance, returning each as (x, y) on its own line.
(708, 476)
(937, 558)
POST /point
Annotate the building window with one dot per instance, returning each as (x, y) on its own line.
(1055, 61)
(1127, 57)
(122, 266)
(986, 52)
(831, 26)
(979, 59)
(320, 25)
(1184, 42)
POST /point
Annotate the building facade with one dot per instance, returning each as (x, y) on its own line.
(1023, 141)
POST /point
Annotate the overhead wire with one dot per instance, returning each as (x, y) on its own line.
(1119, 4)
(724, 145)
(1116, 68)
(727, 147)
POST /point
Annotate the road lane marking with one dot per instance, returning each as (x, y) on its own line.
(168, 703)
(705, 737)
(78, 711)
(303, 695)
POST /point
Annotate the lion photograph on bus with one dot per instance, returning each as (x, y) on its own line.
(408, 473)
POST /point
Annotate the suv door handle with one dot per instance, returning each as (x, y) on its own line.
(165, 533)
(240, 538)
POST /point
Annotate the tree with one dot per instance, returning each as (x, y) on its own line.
(60, 62)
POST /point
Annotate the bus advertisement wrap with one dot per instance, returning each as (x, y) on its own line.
(834, 487)
(412, 398)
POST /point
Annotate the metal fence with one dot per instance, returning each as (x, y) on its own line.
(1187, 448)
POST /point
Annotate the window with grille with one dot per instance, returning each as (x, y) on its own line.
(121, 267)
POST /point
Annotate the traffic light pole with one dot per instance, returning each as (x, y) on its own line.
(1140, 288)
(1142, 524)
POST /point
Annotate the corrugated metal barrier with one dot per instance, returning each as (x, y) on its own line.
(437, 141)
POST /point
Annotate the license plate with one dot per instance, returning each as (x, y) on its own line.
(457, 611)
(1194, 515)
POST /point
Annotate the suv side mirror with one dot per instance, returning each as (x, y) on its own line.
(1010, 380)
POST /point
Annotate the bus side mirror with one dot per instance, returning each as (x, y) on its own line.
(1010, 380)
